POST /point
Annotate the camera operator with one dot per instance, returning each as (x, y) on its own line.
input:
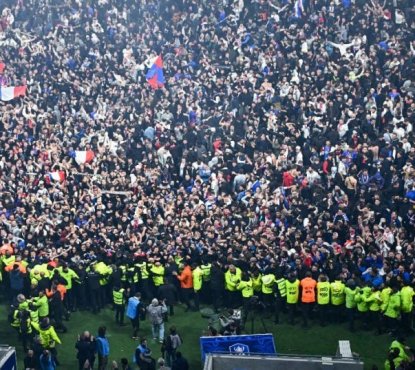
(231, 323)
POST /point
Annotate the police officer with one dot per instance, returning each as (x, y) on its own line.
(374, 300)
(92, 280)
(104, 272)
(81, 287)
(350, 292)
(25, 328)
(70, 276)
(247, 290)
(157, 273)
(48, 336)
(197, 275)
(268, 284)
(217, 284)
(384, 296)
(34, 312)
(407, 295)
(145, 283)
(42, 304)
(119, 296)
(206, 268)
(257, 281)
(122, 270)
(393, 309)
(362, 305)
(232, 279)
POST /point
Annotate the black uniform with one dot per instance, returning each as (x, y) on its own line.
(94, 290)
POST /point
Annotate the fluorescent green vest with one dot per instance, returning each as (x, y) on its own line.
(407, 294)
(337, 293)
(197, 275)
(118, 297)
(282, 287)
(206, 271)
(323, 292)
(268, 282)
(247, 288)
(144, 271)
(232, 280)
(158, 278)
(350, 297)
(293, 291)
(394, 306)
(374, 301)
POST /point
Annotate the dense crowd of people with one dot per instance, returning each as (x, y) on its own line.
(279, 145)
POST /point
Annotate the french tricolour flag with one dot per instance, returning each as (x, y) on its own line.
(58, 176)
(82, 156)
(11, 92)
(155, 75)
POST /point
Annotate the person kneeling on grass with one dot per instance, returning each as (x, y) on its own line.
(143, 357)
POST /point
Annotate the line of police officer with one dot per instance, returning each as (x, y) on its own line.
(103, 283)
(389, 307)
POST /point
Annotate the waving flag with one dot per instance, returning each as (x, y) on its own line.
(58, 176)
(9, 93)
(82, 156)
(2, 66)
(155, 76)
(298, 8)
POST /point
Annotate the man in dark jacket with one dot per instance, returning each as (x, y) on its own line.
(217, 278)
(30, 361)
(86, 350)
(93, 290)
(180, 363)
(57, 307)
(80, 288)
(16, 282)
(168, 292)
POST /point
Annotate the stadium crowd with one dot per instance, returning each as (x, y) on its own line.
(276, 156)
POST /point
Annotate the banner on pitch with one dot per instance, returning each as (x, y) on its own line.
(238, 345)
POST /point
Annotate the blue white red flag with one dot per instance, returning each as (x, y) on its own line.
(11, 92)
(155, 75)
(58, 176)
(82, 156)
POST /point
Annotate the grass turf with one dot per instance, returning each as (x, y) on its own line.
(289, 339)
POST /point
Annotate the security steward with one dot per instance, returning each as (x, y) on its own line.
(293, 293)
(323, 298)
(281, 297)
